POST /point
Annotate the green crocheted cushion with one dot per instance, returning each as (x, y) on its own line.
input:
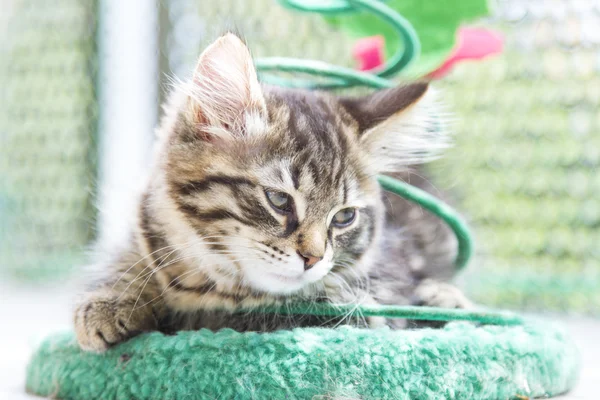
(460, 361)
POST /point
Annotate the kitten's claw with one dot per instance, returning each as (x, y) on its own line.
(433, 293)
(103, 321)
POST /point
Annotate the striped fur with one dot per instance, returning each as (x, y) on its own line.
(207, 241)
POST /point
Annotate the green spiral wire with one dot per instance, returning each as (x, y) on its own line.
(336, 77)
(421, 313)
(340, 77)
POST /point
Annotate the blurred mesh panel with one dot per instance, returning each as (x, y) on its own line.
(268, 28)
(47, 122)
(527, 155)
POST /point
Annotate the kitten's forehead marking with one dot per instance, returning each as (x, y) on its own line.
(321, 134)
(279, 176)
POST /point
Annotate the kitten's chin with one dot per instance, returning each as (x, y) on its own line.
(275, 283)
(288, 280)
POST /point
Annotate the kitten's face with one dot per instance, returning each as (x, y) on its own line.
(283, 209)
(276, 188)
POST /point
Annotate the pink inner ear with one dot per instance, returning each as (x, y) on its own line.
(219, 99)
(225, 84)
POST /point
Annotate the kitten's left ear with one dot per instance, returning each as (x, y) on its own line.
(400, 126)
(225, 95)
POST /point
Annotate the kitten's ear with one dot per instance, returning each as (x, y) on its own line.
(400, 126)
(225, 96)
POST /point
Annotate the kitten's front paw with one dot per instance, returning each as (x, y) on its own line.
(103, 321)
(433, 293)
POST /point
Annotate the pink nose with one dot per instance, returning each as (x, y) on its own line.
(309, 260)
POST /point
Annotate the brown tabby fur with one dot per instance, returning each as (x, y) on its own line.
(207, 241)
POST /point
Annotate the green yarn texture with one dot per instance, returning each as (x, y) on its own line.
(460, 361)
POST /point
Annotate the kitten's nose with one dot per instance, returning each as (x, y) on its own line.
(309, 260)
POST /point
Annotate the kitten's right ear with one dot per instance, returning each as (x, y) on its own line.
(225, 98)
(400, 126)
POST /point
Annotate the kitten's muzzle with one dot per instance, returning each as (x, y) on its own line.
(309, 260)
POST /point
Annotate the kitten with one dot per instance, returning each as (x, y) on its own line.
(267, 195)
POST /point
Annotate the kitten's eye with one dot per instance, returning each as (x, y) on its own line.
(280, 201)
(344, 217)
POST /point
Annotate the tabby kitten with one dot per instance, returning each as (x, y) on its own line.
(265, 195)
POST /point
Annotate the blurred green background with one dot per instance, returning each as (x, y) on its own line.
(47, 135)
(524, 168)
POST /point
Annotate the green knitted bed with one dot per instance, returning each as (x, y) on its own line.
(460, 361)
